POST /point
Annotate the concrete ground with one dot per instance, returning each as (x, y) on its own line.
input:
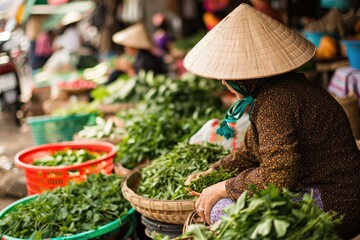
(12, 140)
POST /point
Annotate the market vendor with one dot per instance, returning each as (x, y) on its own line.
(299, 137)
(137, 45)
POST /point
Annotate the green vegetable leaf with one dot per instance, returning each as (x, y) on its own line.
(280, 227)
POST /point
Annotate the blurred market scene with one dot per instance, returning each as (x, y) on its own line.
(106, 110)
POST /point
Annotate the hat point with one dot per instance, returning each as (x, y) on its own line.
(247, 44)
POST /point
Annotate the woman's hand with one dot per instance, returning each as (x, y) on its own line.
(196, 175)
(208, 198)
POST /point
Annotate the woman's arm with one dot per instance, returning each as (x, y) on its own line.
(278, 148)
(243, 158)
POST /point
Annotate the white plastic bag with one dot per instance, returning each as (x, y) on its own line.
(207, 133)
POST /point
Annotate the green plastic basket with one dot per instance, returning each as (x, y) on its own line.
(51, 129)
(101, 232)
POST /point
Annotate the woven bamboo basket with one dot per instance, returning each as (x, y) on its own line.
(174, 212)
(351, 108)
(193, 218)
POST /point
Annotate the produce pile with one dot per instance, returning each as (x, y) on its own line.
(79, 108)
(69, 210)
(102, 129)
(171, 111)
(269, 214)
(151, 134)
(164, 178)
(184, 96)
(67, 157)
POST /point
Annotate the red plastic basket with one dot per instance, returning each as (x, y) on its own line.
(40, 178)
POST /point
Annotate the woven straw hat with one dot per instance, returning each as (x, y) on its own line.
(71, 17)
(134, 36)
(248, 44)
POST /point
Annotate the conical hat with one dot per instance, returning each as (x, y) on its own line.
(134, 36)
(71, 17)
(248, 44)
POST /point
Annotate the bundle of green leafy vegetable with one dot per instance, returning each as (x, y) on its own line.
(68, 210)
(79, 108)
(164, 178)
(210, 179)
(270, 214)
(184, 96)
(187, 96)
(67, 157)
(102, 129)
(153, 133)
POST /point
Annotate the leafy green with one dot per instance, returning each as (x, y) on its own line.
(67, 157)
(210, 179)
(102, 129)
(77, 109)
(164, 178)
(270, 214)
(151, 134)
(69, 210)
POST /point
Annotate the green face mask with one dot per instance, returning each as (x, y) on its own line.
(236, 110)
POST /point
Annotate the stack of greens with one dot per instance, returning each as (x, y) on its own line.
(80, 108)
(151, 134)
(102, 129)
(69, 210)
(185, 96)
(172, 111)
(164, 178)
(270, 214)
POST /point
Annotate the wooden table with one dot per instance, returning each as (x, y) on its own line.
(326, 67)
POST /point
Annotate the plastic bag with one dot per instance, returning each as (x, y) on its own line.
(207, 133)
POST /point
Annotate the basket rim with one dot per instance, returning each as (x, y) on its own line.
(112, 224)
(68, 144)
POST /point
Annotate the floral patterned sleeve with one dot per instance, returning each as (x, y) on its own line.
(278, 149)
(241, 159)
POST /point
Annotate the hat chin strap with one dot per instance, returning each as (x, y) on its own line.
(236, 111)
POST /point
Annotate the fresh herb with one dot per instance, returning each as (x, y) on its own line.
(164, 178)
(67, 157)
(68, 210)
(270, 214)
(79, 108)
(102, 129)
(210, 179)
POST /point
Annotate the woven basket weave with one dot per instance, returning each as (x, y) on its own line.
(175, 212)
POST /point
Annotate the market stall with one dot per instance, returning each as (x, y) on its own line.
(140, 157)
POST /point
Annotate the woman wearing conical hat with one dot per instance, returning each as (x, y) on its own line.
(299, 137)
(136, 44)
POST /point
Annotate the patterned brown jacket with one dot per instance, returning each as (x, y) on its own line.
(299, 137)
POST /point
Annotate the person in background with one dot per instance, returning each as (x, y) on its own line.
(43, 48)
(162, 38)
(66, 45)
(70, 40)
(299, 137)
(137, 46)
